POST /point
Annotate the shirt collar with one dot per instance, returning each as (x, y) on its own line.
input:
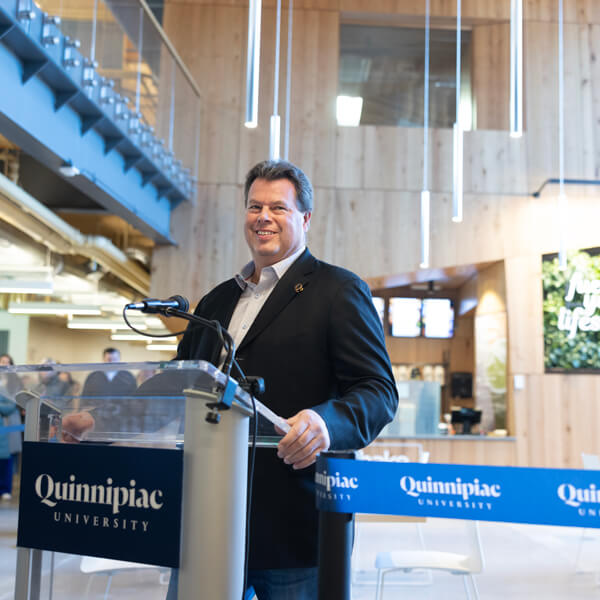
(278, 268)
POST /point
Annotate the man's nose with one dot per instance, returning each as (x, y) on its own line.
(265, 214)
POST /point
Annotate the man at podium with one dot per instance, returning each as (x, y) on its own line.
(311, 331)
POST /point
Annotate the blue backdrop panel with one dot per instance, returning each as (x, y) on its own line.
(511, 494)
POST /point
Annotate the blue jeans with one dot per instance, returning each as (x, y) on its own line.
(271, 584)
(284, 584)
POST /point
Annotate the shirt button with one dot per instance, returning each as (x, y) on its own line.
(244, 326)
(257, 296)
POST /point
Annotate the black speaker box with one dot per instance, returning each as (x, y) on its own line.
(461, 385)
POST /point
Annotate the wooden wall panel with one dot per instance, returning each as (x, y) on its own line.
(417, 350)
(452, 449)
(471, 9)
(210, 43)
(392, 158)
(557, 419)
(491, 290)
(581, 100)
(541, 81)
(575, 11)
(524, 310)
(490, 72)
(314, 89)
(212, 250)
(350, 157)
(462, 352)
(495, 163)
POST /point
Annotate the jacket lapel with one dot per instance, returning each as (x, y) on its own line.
(295, 279)
(223, 312)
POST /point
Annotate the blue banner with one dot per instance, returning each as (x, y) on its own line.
(512, 494)
(108, 501)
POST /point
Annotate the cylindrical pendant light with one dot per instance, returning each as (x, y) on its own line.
(516, 68)
(275, 123)
(253, 63)
(288, 81)
(563, 202)
(425, 195)
(457, 157)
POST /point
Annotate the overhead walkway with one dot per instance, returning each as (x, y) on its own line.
(102, 111)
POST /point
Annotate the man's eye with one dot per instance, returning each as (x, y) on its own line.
(253, 207)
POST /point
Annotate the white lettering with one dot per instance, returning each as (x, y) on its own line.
(583, 317)
(464, 489)
(50, 492)
(330, 482)
(49, 489)
(575, 497)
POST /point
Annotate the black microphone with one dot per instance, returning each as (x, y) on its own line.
(152, 305)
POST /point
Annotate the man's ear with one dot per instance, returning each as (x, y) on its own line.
(306, 220)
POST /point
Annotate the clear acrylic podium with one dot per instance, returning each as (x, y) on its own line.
(148, 405)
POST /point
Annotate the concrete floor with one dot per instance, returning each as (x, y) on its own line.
(522, 562)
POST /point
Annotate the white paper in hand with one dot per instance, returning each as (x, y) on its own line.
(268, 414)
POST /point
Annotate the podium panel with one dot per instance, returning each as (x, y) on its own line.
(84, 423)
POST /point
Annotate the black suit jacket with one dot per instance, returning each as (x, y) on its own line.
(318, 343)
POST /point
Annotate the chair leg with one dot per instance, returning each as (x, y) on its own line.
(108, 586)
(467, 589)
(428, 574)
(378, 589)
(474, 586)
(579, 550)
(89, 585)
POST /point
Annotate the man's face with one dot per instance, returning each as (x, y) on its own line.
(111, 357)
(274, 228)
(4, 361)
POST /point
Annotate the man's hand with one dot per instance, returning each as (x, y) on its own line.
(75, 425)
(307, 437)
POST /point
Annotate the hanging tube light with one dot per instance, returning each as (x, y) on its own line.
(275, 124)
(457, 162)
(516, 68)
(253, 63)
(563, 203)
(425, 195)
(288, 81)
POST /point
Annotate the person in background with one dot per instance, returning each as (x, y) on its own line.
(99, 389)
(51, 384)
(101, 383)
(10, 442)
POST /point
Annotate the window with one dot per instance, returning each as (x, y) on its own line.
(384, 66)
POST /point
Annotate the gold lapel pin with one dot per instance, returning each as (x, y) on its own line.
(298, 288)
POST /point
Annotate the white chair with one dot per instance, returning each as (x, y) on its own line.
(451, 562)
(591, 462)
(421, 456)
(92, 565)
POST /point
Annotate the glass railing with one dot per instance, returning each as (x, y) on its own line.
(140, 74)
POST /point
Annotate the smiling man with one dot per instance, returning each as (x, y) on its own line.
(311, 331)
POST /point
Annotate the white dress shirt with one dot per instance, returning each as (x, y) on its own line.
(254, 295)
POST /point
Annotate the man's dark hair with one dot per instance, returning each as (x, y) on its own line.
(272, 170)
(110, 351)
